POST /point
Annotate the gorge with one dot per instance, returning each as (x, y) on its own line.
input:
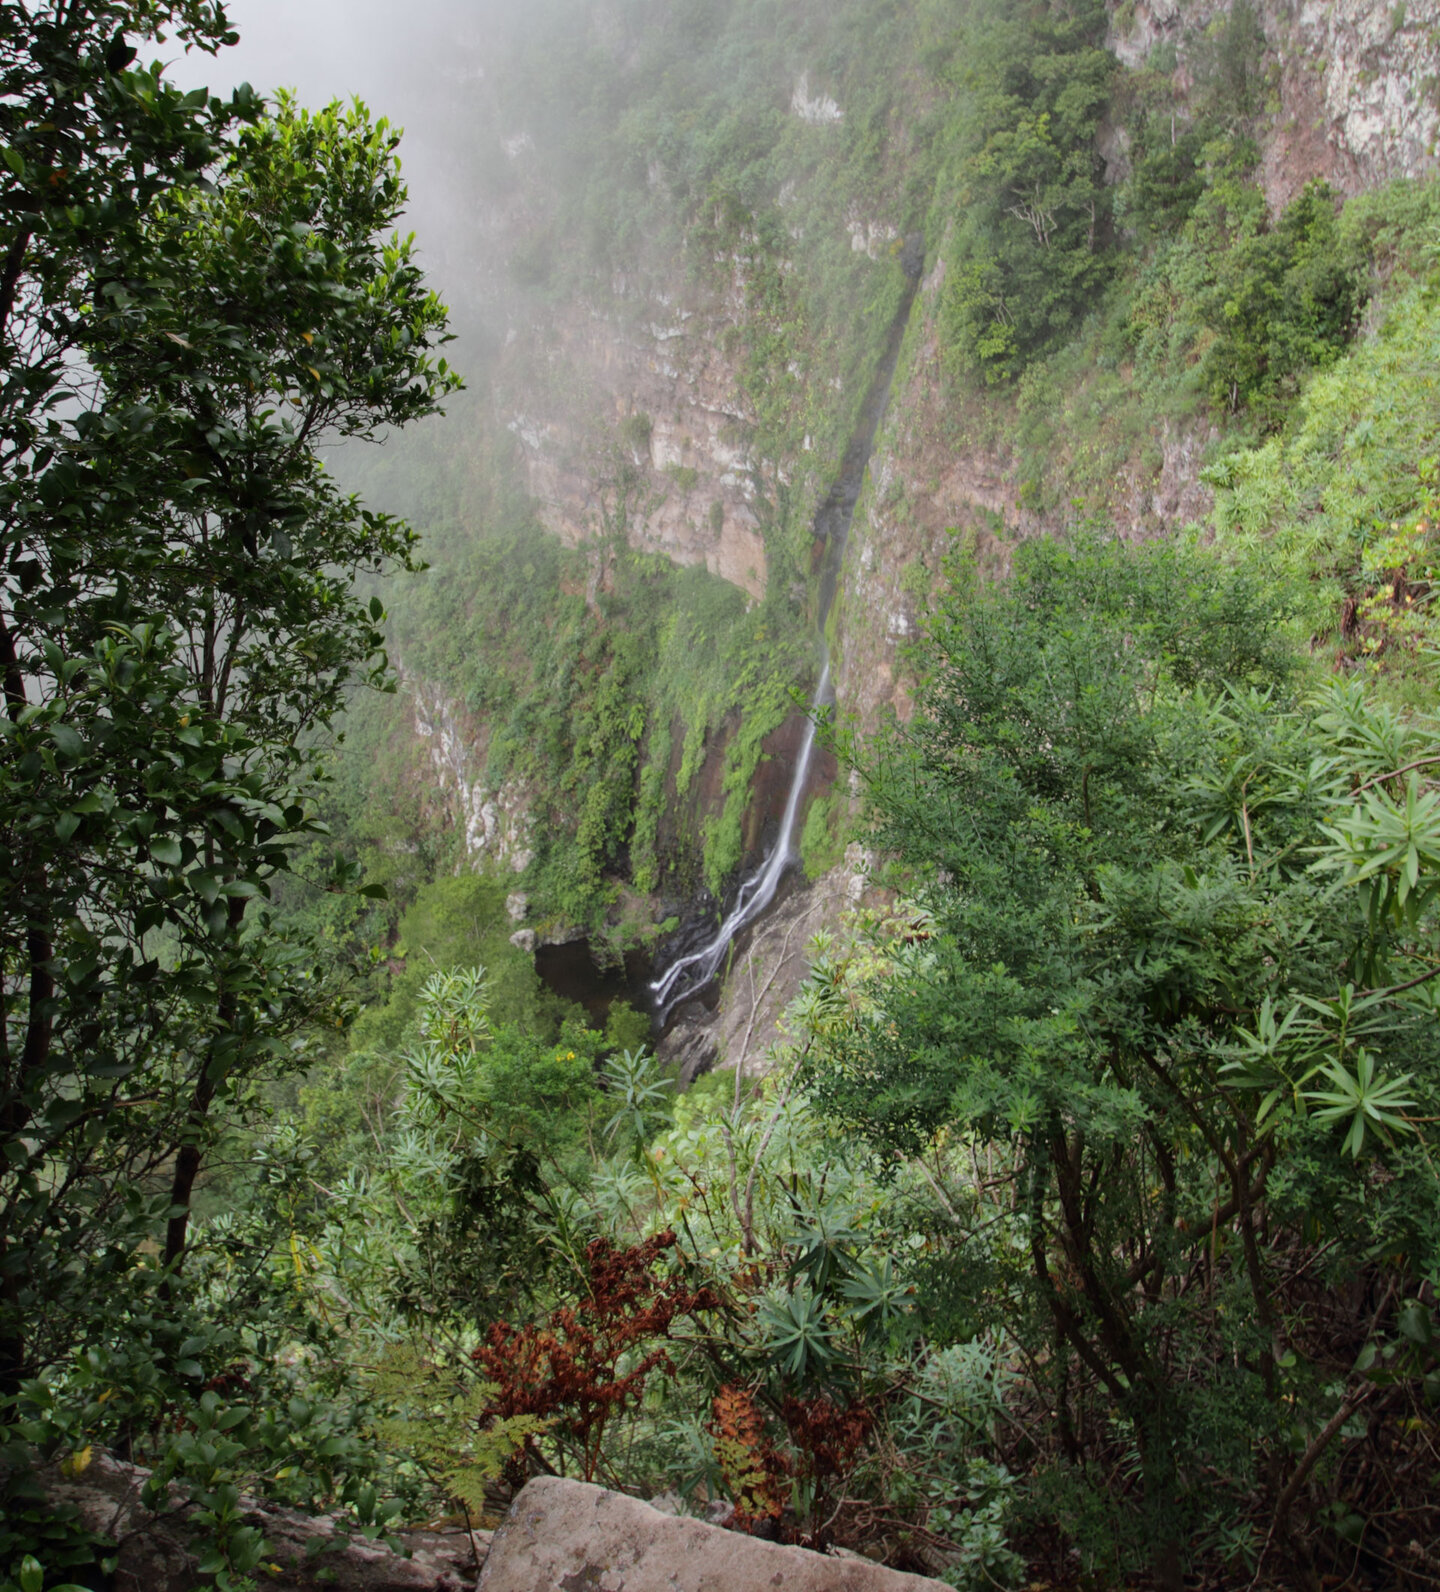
(736, 860)
(621, 398)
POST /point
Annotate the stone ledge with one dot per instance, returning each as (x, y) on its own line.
(567, 1536)
(156, 1555)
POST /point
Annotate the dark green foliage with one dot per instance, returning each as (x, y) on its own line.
(458, 921)
(625, 1028)
(1134, 992)
(153, 795)
(604, 710)
(1284, 302)
(1167, 173)
(1255, 307)
(1166, 153)
(178, 631)
(1031, 248)
(235, 1377)
(1172, 130)
(1343, 500)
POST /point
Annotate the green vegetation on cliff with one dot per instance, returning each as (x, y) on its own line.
(604, 679)
(1090, 314)
(1083, 1226)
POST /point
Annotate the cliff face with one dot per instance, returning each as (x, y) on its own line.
(1355, 83)
(631, 416)
(628, 407)
(696, 403)
(1355, 100)
(634, 402)
(493, 818)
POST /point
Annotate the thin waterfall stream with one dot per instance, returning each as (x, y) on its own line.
(689, 974)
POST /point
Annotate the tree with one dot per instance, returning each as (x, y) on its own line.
(1284, 301)
(197, 295)
(1031, 246)
(1154, 995)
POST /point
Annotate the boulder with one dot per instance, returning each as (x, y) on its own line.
(566, 1536)
(157, 1553)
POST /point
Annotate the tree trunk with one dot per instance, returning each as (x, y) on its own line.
(190, 1156)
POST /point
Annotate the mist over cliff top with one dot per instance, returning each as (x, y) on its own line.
(415, 62)
(380, 50)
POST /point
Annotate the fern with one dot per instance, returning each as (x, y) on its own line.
(440, 1422)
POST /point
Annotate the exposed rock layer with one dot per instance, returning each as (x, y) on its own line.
(1356, 83)
(629, 412)
(495, 820)
(1356, 104)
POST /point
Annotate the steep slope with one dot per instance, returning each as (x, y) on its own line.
(686, 225)
(1346, 94)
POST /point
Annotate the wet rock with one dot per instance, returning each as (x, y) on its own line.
(566, 1536)
(693, 1046)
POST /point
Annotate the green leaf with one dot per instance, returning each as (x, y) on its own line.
(1363, 1100)
(68, 740)
(799, 1335)
(1416, 1324)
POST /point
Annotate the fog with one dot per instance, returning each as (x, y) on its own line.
(328, 48)
(419, 63)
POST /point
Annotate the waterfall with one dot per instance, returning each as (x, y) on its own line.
(688, 975)
(758, 891)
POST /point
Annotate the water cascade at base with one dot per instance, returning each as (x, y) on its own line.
(690, 974)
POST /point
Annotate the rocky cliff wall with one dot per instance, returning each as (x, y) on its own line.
(1355, 100)
(494, 820)
(1355, 90)
(631, 400)
(637, 422)
(628, 403)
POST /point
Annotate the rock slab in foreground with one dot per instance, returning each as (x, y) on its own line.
(156, 1553)
(566, 1536)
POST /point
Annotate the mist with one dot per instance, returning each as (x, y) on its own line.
(418, 63)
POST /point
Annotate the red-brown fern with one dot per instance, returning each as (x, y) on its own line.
(565, 1369)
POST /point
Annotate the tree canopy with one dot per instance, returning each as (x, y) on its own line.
(197, 294)
(1176, 982)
